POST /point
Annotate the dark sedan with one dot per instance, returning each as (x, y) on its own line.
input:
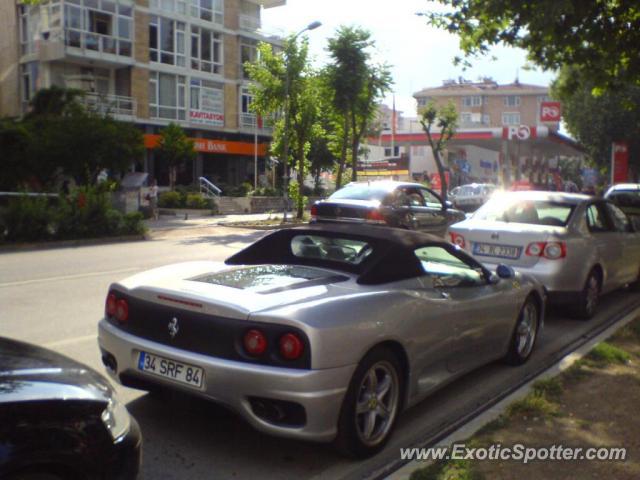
(60, 420)
(395, 204)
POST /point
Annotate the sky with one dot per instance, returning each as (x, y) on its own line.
(420, 56)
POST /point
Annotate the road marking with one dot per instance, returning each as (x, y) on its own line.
(68, 277)
(70, 341)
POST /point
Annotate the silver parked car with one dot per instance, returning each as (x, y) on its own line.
(472, 196)
(320, 333)
(577, 246)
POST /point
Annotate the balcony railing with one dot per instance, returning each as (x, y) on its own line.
(116, 105)
(250, 121)
(249, 23)
(97, 42)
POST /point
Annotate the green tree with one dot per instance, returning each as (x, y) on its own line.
(446, 119)
(601, 36)
(175, 149)
(598, 120)
(60, 137)
(357, 86)
(271, 72)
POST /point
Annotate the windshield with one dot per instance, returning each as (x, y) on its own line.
(320, 247)
(534, 212)
(361, 192)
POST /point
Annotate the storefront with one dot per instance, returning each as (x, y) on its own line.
(223, 162)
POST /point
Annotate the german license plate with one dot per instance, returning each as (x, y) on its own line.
(500, 251)
(171, 369)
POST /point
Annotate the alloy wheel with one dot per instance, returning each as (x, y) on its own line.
(527, 330)
(377, 403)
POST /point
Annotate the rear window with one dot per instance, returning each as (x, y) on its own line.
(361, 192)
(318, 247)
(533, 212)
(625, 198)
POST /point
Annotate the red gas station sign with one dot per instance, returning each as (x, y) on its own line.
(619, 162)
(550, 112)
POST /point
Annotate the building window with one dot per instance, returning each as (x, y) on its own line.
(170, 6)
(249, 15)
(466, 117)
(424, 101)
(472, 101)
(511, 118)
(206, 50)
(206, 103)
(543, 98)
(248, 53)
(167, 41)
(512, 101)
(99, 25)
(167, 96)
(29, 78)
(209, 10)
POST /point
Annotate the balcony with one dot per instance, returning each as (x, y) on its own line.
(117, 106)
(98, 46)
(252, 122)
(249, 23)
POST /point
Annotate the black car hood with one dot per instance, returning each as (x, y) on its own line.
(28, 372)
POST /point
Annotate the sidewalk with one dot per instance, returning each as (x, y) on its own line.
(166, 222)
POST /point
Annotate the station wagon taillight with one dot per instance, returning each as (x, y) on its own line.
(549, 250)
(314, 212)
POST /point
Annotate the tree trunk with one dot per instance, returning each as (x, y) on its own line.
(300, 212)
(173, 170)
(443, 178)
(354, 159)
(343, 154)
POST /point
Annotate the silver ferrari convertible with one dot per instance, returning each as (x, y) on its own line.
(321, 333)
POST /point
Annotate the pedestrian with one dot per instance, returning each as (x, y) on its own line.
(153, 199)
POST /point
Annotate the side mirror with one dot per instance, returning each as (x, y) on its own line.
(494, 279)
(505, 271)
(448, 204)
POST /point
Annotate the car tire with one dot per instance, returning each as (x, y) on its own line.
(587, 300)
(371, 406)
(525, 333)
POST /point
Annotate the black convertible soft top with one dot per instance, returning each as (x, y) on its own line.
(391, 259)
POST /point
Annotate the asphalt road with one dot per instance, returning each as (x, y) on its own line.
(55, 298)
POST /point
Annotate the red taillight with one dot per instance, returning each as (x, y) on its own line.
(122, 311)
(535, 249)
(375, 216)
(255, 343)
(549, 250)
(314, 211)
(291, 347)
(110, 306)
(457, 239)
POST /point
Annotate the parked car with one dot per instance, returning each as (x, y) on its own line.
(578, 246)
(320, 333)
(626, 196)
(60, 420)
(470, 197)
(390, 203)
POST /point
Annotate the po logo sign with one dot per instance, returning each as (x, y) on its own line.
(550, 112)
(518, 132)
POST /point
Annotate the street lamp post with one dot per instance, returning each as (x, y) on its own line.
(285, 141)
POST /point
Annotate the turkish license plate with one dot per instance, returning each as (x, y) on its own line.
(500, 251)
(171, 369)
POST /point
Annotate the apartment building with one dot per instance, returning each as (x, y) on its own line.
(150, 62)
(487, 104)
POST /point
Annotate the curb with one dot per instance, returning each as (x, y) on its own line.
(468, 429)
(22, 247)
